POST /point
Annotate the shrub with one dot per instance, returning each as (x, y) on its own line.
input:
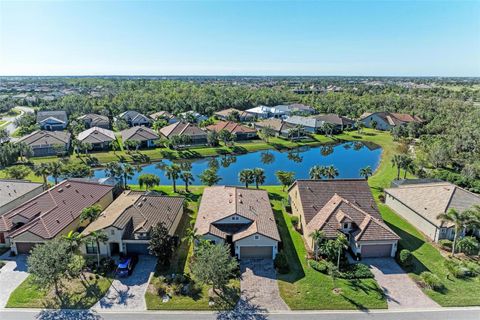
(356, 271)
(468, 245)
(281, 263)
(294, 220)
(381, 198)
(446, 244)
(321, 266)
(405, 258)
(455, 268)
(431, 281)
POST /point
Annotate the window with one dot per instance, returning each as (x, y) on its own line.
(256, 237)
(112, 232)
(346, 225)
(91, 247)
(235, 218)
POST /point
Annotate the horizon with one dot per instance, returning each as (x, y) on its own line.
(230, 38)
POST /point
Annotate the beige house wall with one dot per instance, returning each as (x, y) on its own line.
(256, 240)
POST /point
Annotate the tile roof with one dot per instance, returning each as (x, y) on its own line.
(226, 112)
(53, 210)
(56, 114)
(162, 114)
(220, 202)
(96, 135)
(394, 118)
(431, 199)
(276, 124)
(13, 189)
(315, 194)
(139, 133)
(95, 119)
(137, 211)
(43, 138)
(182, 128)
(132, 115)
(231, 127)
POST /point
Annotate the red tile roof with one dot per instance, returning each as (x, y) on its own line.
(231, 127)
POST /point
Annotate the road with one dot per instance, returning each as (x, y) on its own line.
(10, 127)
(437, 314)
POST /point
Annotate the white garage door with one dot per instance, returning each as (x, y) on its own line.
(376, 250)
(264, 252)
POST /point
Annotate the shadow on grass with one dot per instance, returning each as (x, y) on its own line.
(74, 299)
(368, 289)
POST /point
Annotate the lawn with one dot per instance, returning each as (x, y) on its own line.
(199, 300)
(78, 294)
(306, 289)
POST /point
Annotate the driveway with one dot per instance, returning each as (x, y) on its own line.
(399, 289)
(11, 276)
(129, 293)
(259, 288)
(10, 127)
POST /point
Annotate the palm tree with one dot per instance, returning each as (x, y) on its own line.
(397, 162)
(408, 166)
(258, 176)
(42, 170)
(24, 150)
(55, 169)
(342, 243)
(331, 172)
(209, 177)
(90, 214)
(148, 180)
(115, 146)
(317, 238)
(191, 235)
(76, 145)
(97, 237)
(113, 170)
(316, 172)
(188, 178)
(172, 172)
(74, 240)
(128, 172)
(366, 172)
(459, 220)
(246, 176)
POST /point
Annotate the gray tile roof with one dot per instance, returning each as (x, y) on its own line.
(43, 138)
(139, 133)
(13, 189)
(57, 114)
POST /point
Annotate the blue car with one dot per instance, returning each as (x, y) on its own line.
(126, 265)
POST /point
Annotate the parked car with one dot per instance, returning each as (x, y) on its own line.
(126, 265)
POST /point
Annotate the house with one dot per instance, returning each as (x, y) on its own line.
(145, 136)
(195, 134)
(47, 143)
(15, 192)
(134, 118)
(242, 115)
(165, 115)
(99, 138)
(129, 219)
(300, 109)
(314, 124)
(279, 126)
(342, 206)
(241, 218)
(91, 120)
(192, 116)
(240, 131)
(52, 213)
(52, 120)
(280, 111)
(388, 120)
(421, 201)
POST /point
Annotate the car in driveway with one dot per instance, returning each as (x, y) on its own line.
(126, 265)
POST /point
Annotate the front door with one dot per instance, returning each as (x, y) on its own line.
(114, 248)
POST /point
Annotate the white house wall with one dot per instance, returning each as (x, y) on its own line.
(381, 124)
(231, 220)
(262, 241)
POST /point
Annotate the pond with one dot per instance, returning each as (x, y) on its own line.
(348, 158)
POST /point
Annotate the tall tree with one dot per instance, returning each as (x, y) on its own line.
(90, 214)
(459, 219)
(42, 170)
(55, 168)
(316, 172)
(128, 172)
(366, 172)
(331, 172)
(172, 172)
(161, 244)
(286, 178)
(187, 178)
(209, 177)
(148, 180)
(258, 176)
(98, 237)
(318, 237)
(246, 176)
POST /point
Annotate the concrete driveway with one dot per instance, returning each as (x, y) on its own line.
(399, 289)
(11, 276)
(259, 288)
(129, 293)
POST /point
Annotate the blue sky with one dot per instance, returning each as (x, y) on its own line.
(440, 38)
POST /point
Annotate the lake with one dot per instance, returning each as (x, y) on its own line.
(348, 158)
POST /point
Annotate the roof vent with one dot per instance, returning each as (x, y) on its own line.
(60, 190)
(68, 185)
(140, 205)
(58, 221)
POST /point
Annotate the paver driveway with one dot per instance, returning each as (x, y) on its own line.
(11, 276)
(259, 287)
(400, 290)
(129, 293)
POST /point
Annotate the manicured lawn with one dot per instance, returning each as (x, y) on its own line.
(179, 264)
(306, 289)
(78, 294)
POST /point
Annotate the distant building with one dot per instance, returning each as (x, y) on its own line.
(192, 116)
(47, 143)
(240, 131)
(243, 115)
(196, 135)
(165, 115)
(52, 120)
(279, 126)
(99, 138)
(314, 124)
(145, 136)
(134, 118)
(95, 120)
(388, 120)
(280, 111)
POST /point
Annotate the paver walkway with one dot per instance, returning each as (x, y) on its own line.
(259, 288)
(11, 276)
(400, 290)
(129, 293)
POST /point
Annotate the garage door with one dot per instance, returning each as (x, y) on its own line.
(138, 248)
(25, 247)
(256, 252)
(376, 250)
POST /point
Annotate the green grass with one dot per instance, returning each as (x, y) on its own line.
(3, 123)
(179, 264)
(77, 294)
(307, 289)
